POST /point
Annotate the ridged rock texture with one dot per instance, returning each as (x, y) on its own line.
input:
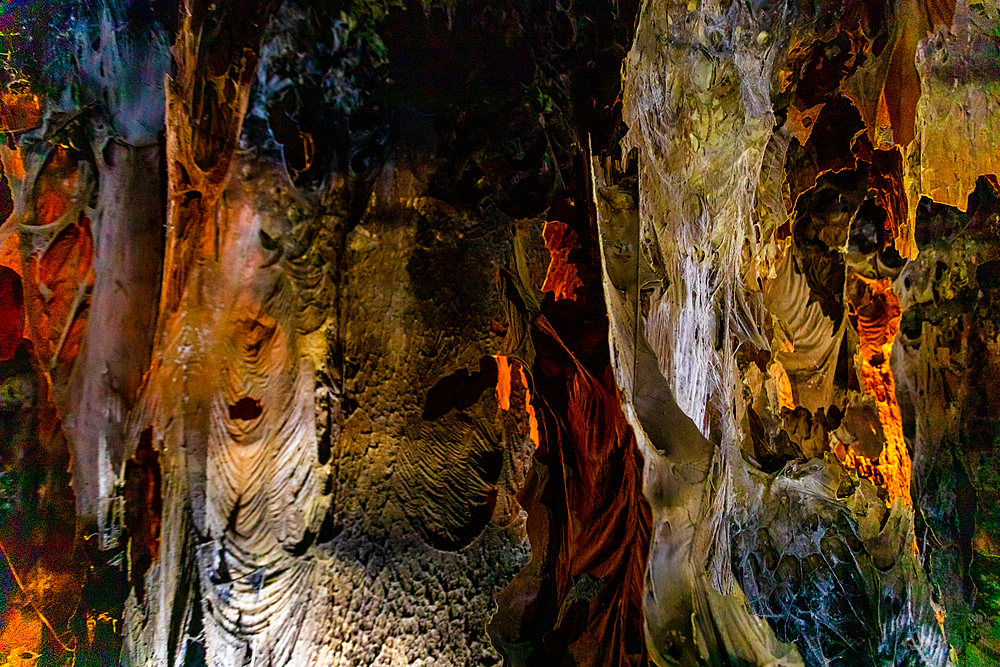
(482, 332)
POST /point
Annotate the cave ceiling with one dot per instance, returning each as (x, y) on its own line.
(496, 332)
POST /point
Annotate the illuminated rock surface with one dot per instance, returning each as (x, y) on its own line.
(341, 332)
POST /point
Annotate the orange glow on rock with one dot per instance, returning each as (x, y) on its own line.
(20, 637)
(503, 382)
(69, 256)
(532, 421)
(19, 111)
(56, 185)
(14, 166)
(587, 518)
(10, 247)
(51, 206)
(56, 321)
(876, 315)
(786, 399)
(504, 375)
(21, 626)
(561, 279)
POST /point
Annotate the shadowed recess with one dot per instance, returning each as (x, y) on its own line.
(11, 312)
(461, 389)
(246, 408)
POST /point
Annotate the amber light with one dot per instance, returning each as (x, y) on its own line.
(21, 637)
(561, 278)
(504, 377)
(876, 315)
(22, 626)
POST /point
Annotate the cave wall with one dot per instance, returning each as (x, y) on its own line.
(588, 333)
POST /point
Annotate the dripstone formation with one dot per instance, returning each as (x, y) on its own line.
(481, 332)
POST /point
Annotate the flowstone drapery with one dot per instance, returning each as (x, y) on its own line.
(770, 330)
(590, 333)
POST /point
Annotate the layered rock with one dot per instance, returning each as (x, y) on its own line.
(459, 333)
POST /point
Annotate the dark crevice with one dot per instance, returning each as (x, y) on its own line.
(246, 408)
(460, 390)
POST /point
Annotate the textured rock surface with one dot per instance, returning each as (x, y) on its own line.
(946, 365)
(580, 333)
(773, 324)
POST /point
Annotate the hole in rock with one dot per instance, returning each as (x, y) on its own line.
(891, 257)
(143, 508)
(11, 312)
(245, 408)
(988, 275)
(460, 390)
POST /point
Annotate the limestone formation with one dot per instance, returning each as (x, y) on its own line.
(556, 332)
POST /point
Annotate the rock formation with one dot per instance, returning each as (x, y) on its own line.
(590, 332)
